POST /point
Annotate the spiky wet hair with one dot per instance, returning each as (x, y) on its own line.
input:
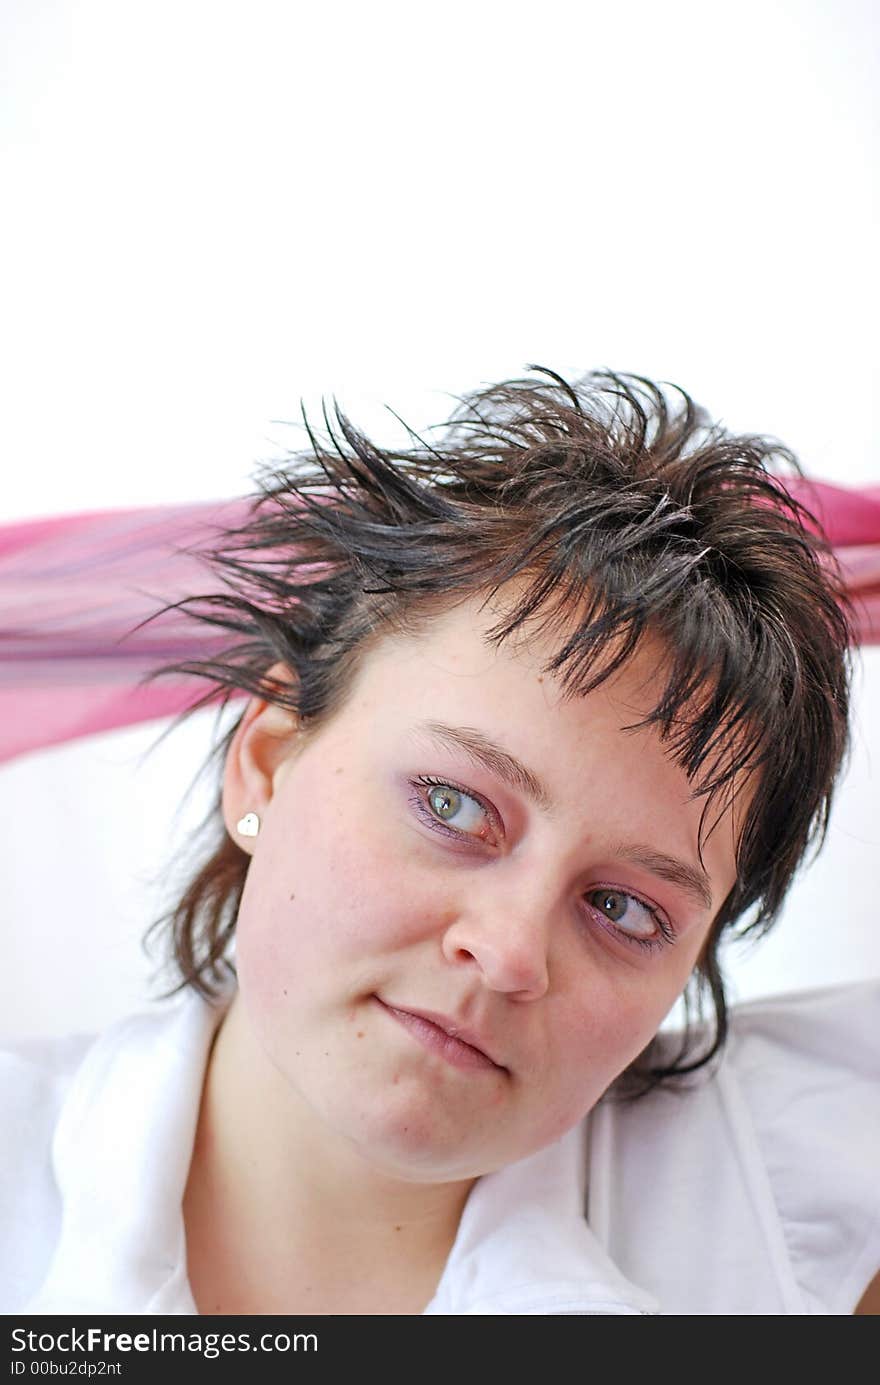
(615, 501)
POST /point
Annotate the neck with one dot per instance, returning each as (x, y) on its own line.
(284, 1216)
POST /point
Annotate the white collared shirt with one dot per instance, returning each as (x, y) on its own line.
(754, 1191)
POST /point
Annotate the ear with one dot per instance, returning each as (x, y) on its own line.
(264, 743)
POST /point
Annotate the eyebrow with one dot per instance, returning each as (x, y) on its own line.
(485, 752)
(694, 882)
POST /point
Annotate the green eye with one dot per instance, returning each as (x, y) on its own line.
(611, 903)
(445, 802)
(466, 814)
(630, 916)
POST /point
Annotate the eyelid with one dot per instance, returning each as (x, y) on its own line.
(667, 934)
(424, 781)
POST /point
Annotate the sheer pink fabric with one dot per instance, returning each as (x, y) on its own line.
(74, 588)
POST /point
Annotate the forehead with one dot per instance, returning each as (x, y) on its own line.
(451, 672)
(585, 754)
(452, 654)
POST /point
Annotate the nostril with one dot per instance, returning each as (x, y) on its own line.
(505, 963)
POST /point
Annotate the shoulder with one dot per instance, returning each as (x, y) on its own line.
(751, 1188)
(35, 1076)
(834, 1026)
(61, 1101)
(807, 1071)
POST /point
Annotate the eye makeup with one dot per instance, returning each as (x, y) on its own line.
(422, 786)
(420, 799)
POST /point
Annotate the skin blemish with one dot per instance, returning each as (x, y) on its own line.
(293, 896)
(360, 1033)
(398, 1228)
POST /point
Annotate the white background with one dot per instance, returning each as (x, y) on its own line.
(214, 210)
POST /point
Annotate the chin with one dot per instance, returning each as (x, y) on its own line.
(412, 1140)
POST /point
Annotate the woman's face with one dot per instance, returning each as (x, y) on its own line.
(460, 849)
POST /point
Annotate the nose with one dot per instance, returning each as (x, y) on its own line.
(507, 941)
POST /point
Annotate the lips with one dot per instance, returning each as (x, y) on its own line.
(463, 1038)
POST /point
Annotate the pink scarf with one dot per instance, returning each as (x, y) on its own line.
(74, 588)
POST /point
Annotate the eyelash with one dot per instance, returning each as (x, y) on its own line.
(665, 936)
(431, 820)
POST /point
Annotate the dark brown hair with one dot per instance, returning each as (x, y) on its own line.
(623, 505)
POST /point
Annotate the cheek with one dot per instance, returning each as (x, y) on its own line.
(328, 891)
(597, 1037)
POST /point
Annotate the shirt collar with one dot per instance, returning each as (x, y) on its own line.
(121, 1156)
(524, 1246)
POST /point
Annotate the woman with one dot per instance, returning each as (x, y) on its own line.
(539, 713)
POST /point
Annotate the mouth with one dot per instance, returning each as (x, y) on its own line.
(441, 1034)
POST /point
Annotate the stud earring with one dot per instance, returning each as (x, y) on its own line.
(249, 825)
